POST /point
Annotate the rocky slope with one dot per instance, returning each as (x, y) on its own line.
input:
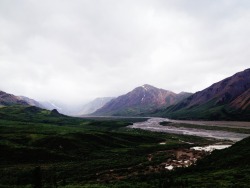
(242, 102)
(7, 99)
(140, 101)
(219, 101)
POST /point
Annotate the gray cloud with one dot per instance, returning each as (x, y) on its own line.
(74, 51)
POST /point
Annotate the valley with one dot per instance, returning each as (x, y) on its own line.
(149, 137)
(124, 94)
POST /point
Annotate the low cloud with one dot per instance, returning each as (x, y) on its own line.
(74, 51)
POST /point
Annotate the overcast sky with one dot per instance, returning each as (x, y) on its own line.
(76, 50)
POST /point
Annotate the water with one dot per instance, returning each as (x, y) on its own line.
(210, 148)
(153, 125)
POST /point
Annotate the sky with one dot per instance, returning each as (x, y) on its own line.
(73, 51)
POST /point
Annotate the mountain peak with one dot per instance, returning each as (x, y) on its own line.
(147, 86)
(141, 100)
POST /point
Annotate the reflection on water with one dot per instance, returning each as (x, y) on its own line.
(210, 148)
(153, 125)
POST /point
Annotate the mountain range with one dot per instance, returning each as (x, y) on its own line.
(7, 99)
(228, 99)
(140, 101)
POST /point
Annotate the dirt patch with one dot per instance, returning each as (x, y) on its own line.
(155, 162)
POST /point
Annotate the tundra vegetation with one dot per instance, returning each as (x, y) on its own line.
(41, 148)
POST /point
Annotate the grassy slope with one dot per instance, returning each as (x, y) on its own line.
(138, 110)
(72, 150)
(68, 152)
(207, 111)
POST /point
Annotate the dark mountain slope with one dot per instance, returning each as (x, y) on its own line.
(7, 99)
(242, 102)
(216, 101)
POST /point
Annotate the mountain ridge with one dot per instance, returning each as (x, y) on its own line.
(141, 100)
(215, 101)
(31, 102)
(7, 99)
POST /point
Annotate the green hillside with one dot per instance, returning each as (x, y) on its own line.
(208, 111)
(40, 147)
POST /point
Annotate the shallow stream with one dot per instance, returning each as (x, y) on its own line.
(153, 124)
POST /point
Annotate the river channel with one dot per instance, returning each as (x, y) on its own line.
(153, 124)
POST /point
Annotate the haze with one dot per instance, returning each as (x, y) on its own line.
(74, 51)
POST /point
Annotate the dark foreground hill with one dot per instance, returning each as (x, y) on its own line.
(228, 99)
(140, 101)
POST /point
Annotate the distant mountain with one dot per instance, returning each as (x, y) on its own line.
(66, 109)
(140, 101)
(94, 105)
(49, 105)
(31, 102)
(182, 95)
(7, 99)
(227, 99)
(60, 107)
